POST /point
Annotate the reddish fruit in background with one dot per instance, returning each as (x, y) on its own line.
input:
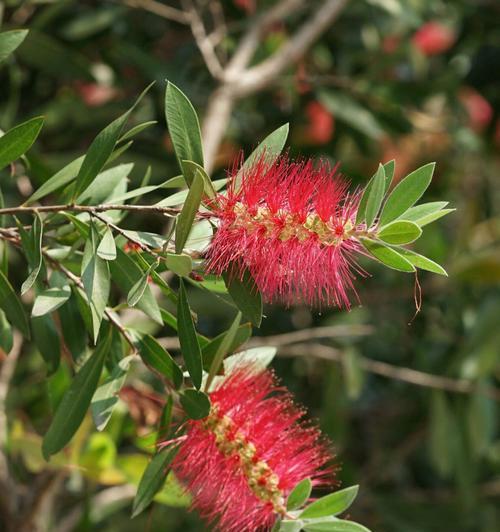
(478, 108)
(321, 123)
(433, 38)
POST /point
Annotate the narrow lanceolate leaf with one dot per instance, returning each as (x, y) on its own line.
(46, 339)
(137, 291)
(426, 213)
(406, 193)
(12, 306)
(75, 402)
(334, 525)
(190, 347)
(9, 41)
(209, 350)
(32, 245)
(107, 247)
(100, 150)
(106, 396)
(190, 169)
(125, 273)
(223, 350)
(50, 299)
(375, 196)
(422, 262)
(183, 126)
(196, 404)
(188, 213)
(332, 504)
(6, 336)
(389, 168)
(270, 147)
(159, 359)
(400, 232)
(18, 140)
(299, 495)
(388, 256)
(152, 480)
(246, 296)
(96, 281)
(58, 180)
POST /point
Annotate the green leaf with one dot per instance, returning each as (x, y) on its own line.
(96, 281)
(106, 396)
(6, 336)
(346, 109)
(186, 217)
(388, 256)
(101, 149)
(106, 185)
(209, 350)
(106, 249)
(159, 359)
(165, 420)
(12, 306)
(335, 525)
(190, 347)
(332, 504)
(183, 126)
(190, 169)
(422, 262)
(137, 291)
(58, 180)
(9, 41)
(32, 245)
(299, 495)
(399, 232)
(270, 148)
(289, 525)
(196, 404)
(181, 265)
(133, 131)
(152, 480)
(406, 193)
(49, 300)
(389, 168)
(426, 213)
(375, 196)
(18, 140)
(75, 402)
(223, 350)
(46, 339)
(246, 296)
(125, 273)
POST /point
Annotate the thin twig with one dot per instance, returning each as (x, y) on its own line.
(8, 490)
(411, 376)
(157, 8)
(91, 209)
(264, 73)
(203, 42)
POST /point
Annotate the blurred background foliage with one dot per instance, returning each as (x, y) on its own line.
(411, 402)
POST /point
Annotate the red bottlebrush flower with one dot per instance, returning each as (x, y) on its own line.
(433, 38)
(241, 462)
(290, 224)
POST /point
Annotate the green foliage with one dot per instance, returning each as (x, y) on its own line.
(427, 456)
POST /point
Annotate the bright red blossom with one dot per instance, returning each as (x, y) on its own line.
(241, 462)
(291, 224)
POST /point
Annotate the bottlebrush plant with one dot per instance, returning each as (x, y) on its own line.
(274, 229)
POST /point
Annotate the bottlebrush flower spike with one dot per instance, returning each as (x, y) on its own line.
(290, 225)
(241, 462)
